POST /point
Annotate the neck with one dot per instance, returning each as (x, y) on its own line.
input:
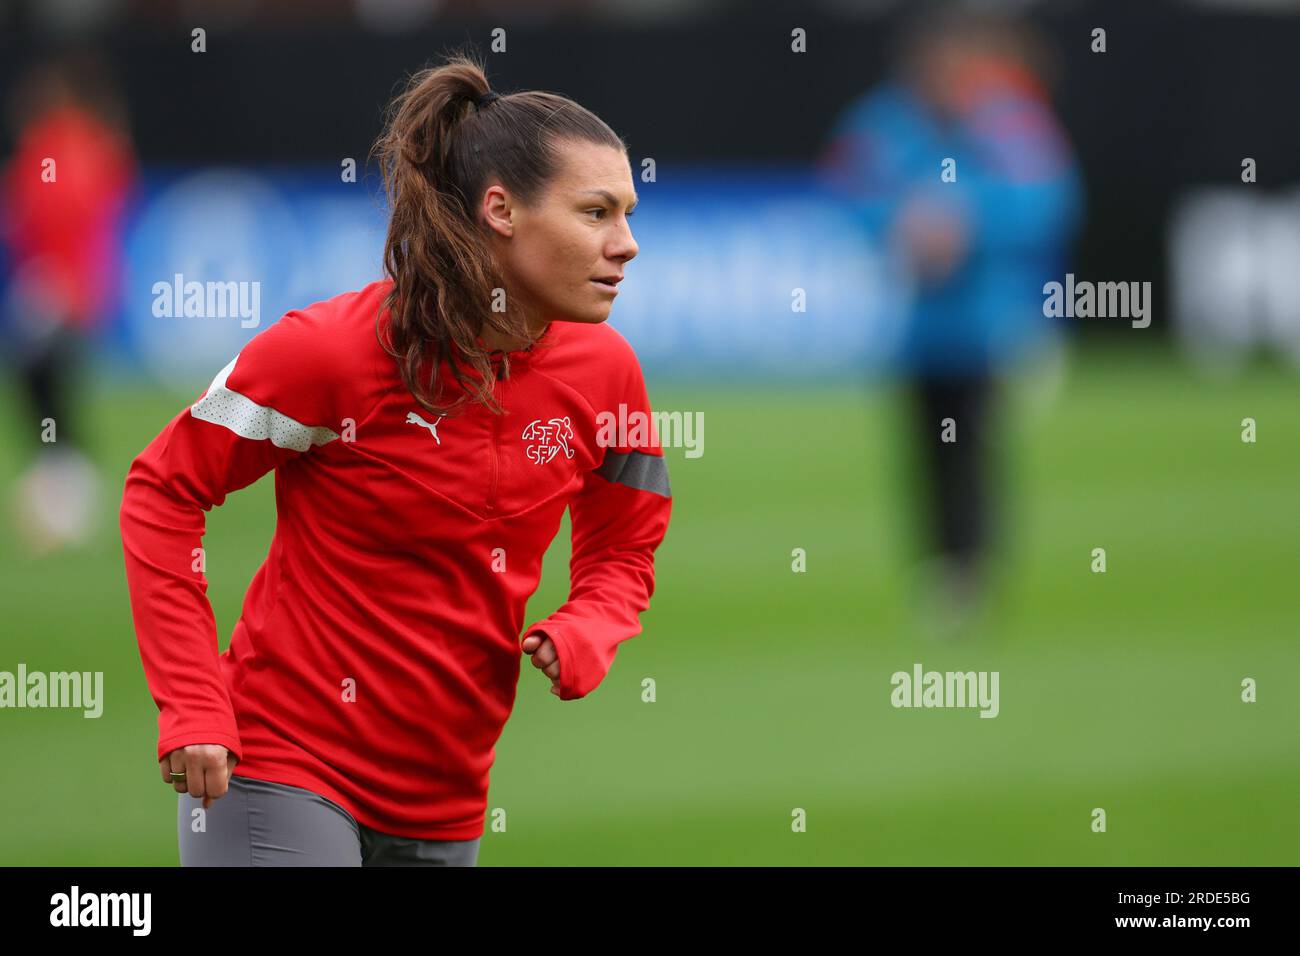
(495, 341)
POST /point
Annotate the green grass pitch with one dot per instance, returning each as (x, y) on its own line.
(1118, 690)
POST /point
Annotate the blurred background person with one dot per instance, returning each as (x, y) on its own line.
(957, 164)
(65, 190)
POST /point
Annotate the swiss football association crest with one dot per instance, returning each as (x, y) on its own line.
(547, 438)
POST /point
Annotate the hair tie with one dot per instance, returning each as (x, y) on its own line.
(485, 100)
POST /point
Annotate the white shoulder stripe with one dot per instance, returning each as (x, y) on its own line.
(243, 416)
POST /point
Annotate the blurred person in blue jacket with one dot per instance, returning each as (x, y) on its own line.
(959, 168)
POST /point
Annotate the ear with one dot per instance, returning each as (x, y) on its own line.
(498, 210)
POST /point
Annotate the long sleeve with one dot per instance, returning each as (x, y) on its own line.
(1024, 193)
(872, 156)
(259, 412)
(619, 517)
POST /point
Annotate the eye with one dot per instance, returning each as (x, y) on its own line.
(598, 210)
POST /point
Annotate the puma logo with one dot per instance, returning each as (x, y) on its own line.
(413, 418)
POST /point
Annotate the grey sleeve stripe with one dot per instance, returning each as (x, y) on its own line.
(243, 416)
(637, 469)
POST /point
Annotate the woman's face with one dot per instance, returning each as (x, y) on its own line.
(554, 253)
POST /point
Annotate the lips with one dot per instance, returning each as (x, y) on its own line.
(609, 283)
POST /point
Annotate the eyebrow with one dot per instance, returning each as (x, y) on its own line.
(610, 198)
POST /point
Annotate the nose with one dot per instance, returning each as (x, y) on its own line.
(623, 246)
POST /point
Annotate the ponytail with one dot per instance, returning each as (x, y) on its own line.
(437, 153)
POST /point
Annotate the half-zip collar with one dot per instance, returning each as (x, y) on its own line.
(518, 357)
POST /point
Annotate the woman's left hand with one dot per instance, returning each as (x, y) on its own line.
(545, 658)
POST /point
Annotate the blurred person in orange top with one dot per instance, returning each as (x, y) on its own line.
(64, 192)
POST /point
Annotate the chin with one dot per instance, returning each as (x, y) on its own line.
(590, 316)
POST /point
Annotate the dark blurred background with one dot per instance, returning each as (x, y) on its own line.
(1183, 92)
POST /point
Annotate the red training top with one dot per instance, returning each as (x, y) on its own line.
(377, 656)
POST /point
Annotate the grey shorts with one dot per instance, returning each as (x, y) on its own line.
(259, 823)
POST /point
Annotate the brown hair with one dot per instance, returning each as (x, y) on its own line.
(438, 153)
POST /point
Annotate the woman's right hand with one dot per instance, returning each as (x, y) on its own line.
(207, 769)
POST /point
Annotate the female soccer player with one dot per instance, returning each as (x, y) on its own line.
(427, 433)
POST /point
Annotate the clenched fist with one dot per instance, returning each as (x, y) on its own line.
(544, 657)
(207, 769)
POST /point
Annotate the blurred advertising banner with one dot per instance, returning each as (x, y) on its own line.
(1234, 261)
(738, 273)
